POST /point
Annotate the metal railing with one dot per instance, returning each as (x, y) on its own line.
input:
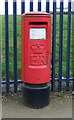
(53, 79)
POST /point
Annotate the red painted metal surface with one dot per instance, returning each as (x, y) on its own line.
(36, 52)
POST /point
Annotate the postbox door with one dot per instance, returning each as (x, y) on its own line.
(37, 58)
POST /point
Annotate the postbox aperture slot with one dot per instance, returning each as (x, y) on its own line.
(38, 23)
(37, 33)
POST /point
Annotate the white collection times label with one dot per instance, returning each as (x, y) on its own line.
(38, 33)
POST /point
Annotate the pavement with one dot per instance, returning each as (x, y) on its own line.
(0, 107)
(60, 107)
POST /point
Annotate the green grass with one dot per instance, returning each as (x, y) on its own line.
(11, 61)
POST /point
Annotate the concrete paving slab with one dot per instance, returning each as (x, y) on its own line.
(60, 107)
(0, 107)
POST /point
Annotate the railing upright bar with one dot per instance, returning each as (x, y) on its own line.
(68, 46)
(39, 5)
(15, 44)
(53, 46)
(47, 6)
(60, 47)
(7, 48)
(31, 5)
(0, 54)
(22, 6)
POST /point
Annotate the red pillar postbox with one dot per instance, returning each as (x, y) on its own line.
(36, 49)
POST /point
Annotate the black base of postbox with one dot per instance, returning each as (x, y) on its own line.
(36, 96)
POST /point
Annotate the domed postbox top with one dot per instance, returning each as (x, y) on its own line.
(36, 14)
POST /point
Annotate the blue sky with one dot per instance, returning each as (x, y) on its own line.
(2, 10)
